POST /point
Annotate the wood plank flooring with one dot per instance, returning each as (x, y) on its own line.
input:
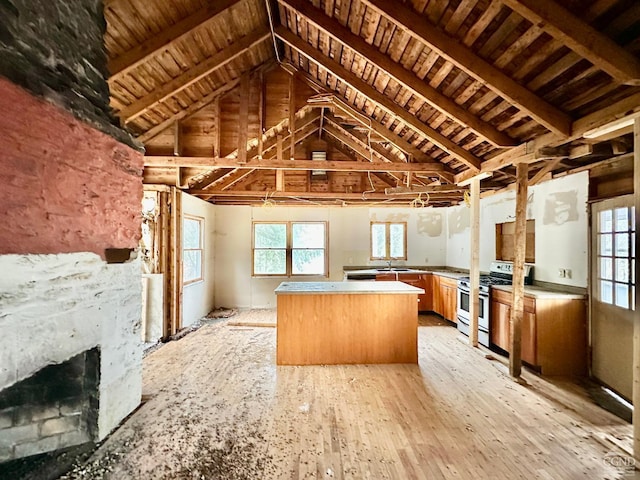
(218, 407)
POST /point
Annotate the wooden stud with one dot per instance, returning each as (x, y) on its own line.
(636, 317)
(175, 289)
(474, 271)
(164, 260)
(517, 310)
(279, 148)
(177, 138)
(243, 119)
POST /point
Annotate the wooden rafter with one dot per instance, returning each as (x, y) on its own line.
(580, 37)
(336, 69)
(269, 164)
(406, 78)
(466, 59)
(168, 37)
(259, 195)
(540, 174)
(194, 74)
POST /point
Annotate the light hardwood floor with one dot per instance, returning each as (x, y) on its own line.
(218, 407)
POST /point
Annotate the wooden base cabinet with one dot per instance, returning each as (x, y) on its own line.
(554, 332)
(420, 280)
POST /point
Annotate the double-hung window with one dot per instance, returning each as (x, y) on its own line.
(289, 248)
(388, 240)
(192, 249)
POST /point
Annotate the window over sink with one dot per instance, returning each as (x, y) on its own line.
(289, 248)
(388, 240)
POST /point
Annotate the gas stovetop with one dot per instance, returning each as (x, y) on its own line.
(487, 280)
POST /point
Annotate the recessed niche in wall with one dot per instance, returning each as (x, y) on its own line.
(505, 241)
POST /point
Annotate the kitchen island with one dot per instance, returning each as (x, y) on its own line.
(322, 323)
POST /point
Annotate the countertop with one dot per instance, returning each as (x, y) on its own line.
(401, 270)
(543, 292)
(355, 287)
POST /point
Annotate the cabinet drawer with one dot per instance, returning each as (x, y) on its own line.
(507, 298)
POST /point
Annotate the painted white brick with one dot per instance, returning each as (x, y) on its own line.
(34, 448)
(42, 413)
(57, 306)
(55, 426)
(70, 439)
(15, 435)
(6, 418)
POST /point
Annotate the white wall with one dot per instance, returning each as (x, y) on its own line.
(348, 245)
(54, 307)
(198, 298)
(559, 208)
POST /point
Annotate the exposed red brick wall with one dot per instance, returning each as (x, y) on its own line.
(64, 186)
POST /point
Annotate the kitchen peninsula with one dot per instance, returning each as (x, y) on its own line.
(347, 323)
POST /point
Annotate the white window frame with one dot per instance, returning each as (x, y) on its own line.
(387, 255)
(200, 249)
(289, 249)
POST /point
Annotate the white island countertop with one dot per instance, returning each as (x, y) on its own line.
(354, 287)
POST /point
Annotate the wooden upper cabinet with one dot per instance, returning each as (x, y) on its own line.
(505, 241)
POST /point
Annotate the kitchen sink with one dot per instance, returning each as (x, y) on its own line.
(392, 269)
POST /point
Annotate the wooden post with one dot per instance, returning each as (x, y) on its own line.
(177, 138)
(164, 264)
(261, 114)
(292, 115)
(517, 309)
(636, 319)
(216, 128)
(474, 274)
(280, 180)
(175, 291)
(279, 147)
(243, 119)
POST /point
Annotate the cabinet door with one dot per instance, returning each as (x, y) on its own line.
(450, 303)
(386, 277)
(501, 331)
(500, 324)
(426, 300)
(437, 294)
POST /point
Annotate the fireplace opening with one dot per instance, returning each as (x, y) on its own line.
(55, 408)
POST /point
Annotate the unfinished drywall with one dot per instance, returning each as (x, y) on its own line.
(57, 306)
(198, 297)
(559, 208)
(153, 307)
(348, 245)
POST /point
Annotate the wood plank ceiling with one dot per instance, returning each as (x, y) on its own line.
(230, 98)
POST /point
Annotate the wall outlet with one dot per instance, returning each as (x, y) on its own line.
(564, 273)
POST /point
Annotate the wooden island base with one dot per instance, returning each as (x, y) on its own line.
(348, 328)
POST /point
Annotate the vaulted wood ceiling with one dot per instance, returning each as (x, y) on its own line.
(408, 98)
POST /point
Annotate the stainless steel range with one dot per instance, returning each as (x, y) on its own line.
(500, 273)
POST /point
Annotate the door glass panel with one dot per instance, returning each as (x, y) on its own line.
(622, 219)
(622, 270)
(606, 244)
(606, 223)
(606, 268)
(622, 244)
(606, 291)
(622, 295)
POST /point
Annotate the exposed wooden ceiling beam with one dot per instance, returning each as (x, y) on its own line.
(364, 120)
(341, 135)
(335, 68)
(406, 78)
(580, 37)
(466, 59)
(311, 195)
(232, 178)
(330, 165)
(168, 37)
(191, 76)
(540, 174)
(425, 189)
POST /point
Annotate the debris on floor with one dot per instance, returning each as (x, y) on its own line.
(221, 312)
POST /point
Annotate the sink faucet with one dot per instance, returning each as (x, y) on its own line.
(389, 264)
